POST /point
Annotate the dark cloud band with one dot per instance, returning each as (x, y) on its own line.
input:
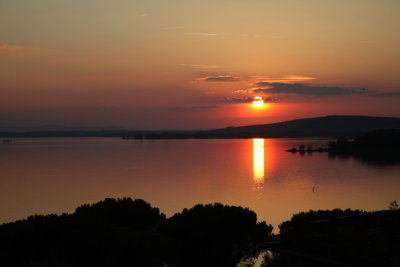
(223, 78)
(297, 88)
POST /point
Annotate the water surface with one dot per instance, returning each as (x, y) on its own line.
(55, 175)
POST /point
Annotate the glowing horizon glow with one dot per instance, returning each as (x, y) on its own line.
(258, 159)
(168, 65)
(258, 101)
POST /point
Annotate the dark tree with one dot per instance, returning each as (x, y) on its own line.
(113, 232)
(126, 232)
(213, 235)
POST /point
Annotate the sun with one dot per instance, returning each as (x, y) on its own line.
(258, 101)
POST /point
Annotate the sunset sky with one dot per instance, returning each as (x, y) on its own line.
(169, 64)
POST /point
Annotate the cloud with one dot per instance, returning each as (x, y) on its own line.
(252, 79)
(243, 91)
(283, 79)
(10, 47)
(277, 88)
(220, 78)
(245, 99)
(302, 89)
(237, 99)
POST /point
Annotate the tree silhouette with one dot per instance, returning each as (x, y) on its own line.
(213, 235)
(126, 232)
(393, 205)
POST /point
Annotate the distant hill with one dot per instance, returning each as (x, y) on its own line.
(329, 126)
(60, 128)
(62, 131)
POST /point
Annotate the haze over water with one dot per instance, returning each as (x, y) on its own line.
(55, 175)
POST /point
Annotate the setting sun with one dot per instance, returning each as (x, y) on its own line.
(258, 101)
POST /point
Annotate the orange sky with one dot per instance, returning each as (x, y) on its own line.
(154, 64)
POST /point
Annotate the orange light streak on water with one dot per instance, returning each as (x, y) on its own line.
(258, 159)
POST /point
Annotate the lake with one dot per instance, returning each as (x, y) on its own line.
(55, 175)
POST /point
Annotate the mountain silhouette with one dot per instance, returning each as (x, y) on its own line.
(333, 126)
(329, 126)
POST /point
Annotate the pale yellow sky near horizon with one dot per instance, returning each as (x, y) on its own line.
(158, 64)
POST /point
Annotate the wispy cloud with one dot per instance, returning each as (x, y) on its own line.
(233, 99)
(249, 94)
(245, 99)
(302, 89)
(289, 79)
(220, 78)
(279, 88)
(283, 78)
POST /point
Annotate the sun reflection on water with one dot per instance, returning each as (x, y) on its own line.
(258, 160)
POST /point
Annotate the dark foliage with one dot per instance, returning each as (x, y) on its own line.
(126, 232)
(306, 219)
(109, 233)
(121, 213)
(380, 147)
(213, 235)
(351, 236)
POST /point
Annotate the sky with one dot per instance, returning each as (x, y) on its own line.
(182, 64)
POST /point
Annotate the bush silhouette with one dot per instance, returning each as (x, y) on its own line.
(113, 232)
(213, 235)
(352, 236)
(126, 232)
(120, 212)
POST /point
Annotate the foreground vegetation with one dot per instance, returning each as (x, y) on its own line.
(126, 232)
(340, 238)
(380, 147)
(377, 147)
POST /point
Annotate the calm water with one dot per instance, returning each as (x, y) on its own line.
(55, 175)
